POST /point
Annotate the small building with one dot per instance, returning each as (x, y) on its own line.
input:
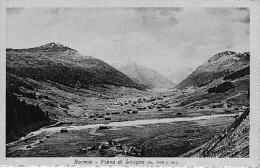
(135, 111)
(103, 145)
(178, 114)
(103, 127)
(225, 105)
(64, 130)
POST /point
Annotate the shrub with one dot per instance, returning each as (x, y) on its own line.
(238, 74)
(222, 88)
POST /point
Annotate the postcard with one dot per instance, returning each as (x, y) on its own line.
(130, 83)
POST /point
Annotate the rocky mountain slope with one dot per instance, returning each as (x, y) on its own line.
(232, 142)
(61, 64)
(145, 76)
(219, 66)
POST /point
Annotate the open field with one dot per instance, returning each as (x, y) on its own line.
(170, 139)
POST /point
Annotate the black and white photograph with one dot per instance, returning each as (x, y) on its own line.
(128, 82)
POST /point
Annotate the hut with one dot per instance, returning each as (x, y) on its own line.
(64, 130)
(178, 114)
(103, 127)
(135, 111)
(225, 105)
(103, 145)
(83, 150)
(119, 146)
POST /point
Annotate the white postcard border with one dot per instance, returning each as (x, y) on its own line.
(176, 162)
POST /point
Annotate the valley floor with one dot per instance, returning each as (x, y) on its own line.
(98, 123)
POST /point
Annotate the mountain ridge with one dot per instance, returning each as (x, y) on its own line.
(49, 47)
(61, 64)
(218, 66)
(145, 76)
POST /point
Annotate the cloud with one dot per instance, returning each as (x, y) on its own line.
(57, 14)
(14, 10)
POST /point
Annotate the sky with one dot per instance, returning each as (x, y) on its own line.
(163, 39)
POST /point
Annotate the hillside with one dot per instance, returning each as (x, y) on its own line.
(232, 142)
(145, 76)
(57, 63)
(42, 82)
(219, 66)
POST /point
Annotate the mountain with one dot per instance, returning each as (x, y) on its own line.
(42, 82)
(179, 75)
(49, 47)
(145, 76)
(60, 64)
(233, 142)
(217, 67)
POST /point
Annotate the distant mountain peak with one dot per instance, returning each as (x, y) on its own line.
(145, 76)
(49, 47)
(225, 54)
(53, 46)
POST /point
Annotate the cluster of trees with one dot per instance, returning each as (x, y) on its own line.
(202, 79)
(13, 83)
(238, 74)
(222, 88)
(21, 118)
